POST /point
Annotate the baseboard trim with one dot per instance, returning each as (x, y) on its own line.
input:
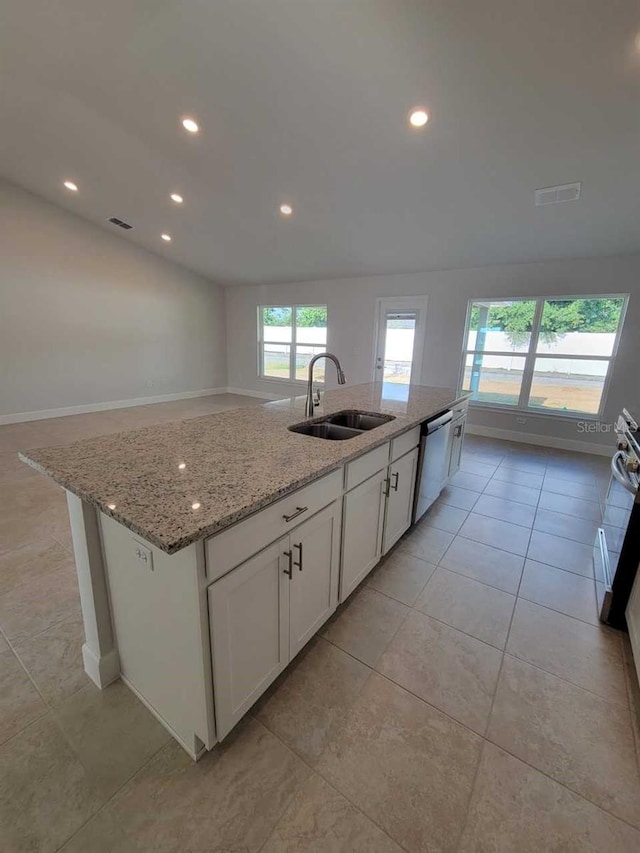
(261, 395)
(541, 440)
(104, 670)
(42, 414)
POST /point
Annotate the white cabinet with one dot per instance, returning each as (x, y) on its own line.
(363, 516)
(400, 491)
(249, 625)
(265, 610)
(314, 553)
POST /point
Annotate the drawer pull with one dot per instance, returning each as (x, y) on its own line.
(299, 511)
(289, 569)
(298, 565)
(395, 485)
(386, 488)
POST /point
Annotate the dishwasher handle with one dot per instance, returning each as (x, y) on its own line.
(437, 423)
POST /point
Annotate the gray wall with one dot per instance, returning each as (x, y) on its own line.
(86, 317)
(352, 307)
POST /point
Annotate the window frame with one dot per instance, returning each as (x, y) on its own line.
(292, 344)
(531, 353)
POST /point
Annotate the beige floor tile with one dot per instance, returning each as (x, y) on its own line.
(401, 576)
(484, 563)
(451, 670)
(365, 624)
(568, 526)
(309, 701)
(445, 517)
(473, 482)
(579, 471)
(29, 609)
(498, 534)
(320, 820)
(231, 800)
(30, 562)
(527, 461)
(505, 510)
(561, 553)
(20, 702)
(111, 731)
(573, 736)
(54, 659)
(408, 767)
(589, 656)
(563, 591)
(476, 466)
(589, 510)
(426, 543)
(472, 607)
(12, 468)
(45, 793)
(513, 492)
(518, 477)
(571, 488)
(101, 835)
(516, 808)
(461, 498)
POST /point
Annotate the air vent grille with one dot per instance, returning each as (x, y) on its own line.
(553, 195)
(120, 223)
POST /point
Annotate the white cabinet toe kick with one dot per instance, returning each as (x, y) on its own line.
(199, 635)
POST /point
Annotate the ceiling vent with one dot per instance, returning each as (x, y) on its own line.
(553, 195)
(120, 223)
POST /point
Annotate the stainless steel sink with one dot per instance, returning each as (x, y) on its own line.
(359, 420)
(332, 432)
(342, 425)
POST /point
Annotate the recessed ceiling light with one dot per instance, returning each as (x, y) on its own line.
(190, 125)
(286, 209)
(71, 186)
(195, 505)
(418, 117)
(166, 237)
(177, 198)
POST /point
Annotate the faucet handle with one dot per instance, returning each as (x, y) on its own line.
(316, 397)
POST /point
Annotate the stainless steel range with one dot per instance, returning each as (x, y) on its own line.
(617, 547)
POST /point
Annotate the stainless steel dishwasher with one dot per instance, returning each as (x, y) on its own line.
(433, 463)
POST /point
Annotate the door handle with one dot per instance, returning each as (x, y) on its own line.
(289, 569)
(387, 486)
(298, 565)
(299, 511)
(395, 485)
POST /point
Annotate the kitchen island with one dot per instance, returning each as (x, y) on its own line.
(210, 550)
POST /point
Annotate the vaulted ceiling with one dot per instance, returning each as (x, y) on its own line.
(306, 102)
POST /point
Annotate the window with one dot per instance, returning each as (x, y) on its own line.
(545, 355)
(288, 338)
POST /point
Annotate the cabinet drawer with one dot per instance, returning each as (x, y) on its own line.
(404, 443)
(231, 547)
(366, 466)
(460, 409)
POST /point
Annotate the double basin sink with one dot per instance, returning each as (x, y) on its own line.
(342, 425)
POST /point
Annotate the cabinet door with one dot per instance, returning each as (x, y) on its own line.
(362, 520)
(455, 454)
(249, 625)
(402, 481)
(315, 547)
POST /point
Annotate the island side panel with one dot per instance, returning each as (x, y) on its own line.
(161, 626)
(99, 652)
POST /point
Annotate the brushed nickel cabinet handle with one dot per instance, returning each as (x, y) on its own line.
(298, 565)
(387, 487)
(289, 569)
(395, 485)
(299, 511)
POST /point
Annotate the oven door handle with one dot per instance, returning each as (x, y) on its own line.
(621, 476)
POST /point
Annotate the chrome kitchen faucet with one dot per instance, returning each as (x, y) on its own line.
(311, 401)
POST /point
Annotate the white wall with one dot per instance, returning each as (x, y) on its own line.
(86, 317)
(351, 319)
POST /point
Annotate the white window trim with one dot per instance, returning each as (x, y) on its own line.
(530, 357)
(291, 344)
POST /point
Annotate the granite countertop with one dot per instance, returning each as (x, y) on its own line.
(179, 482)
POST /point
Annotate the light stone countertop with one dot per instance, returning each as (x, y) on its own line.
(234, 462)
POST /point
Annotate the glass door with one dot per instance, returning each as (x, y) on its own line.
(400, 340)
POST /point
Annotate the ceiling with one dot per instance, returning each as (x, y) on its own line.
(306, 102)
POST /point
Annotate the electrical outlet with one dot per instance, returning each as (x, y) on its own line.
(143, 555)
(521, 420)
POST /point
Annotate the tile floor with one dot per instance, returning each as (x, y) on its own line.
(465, 698)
